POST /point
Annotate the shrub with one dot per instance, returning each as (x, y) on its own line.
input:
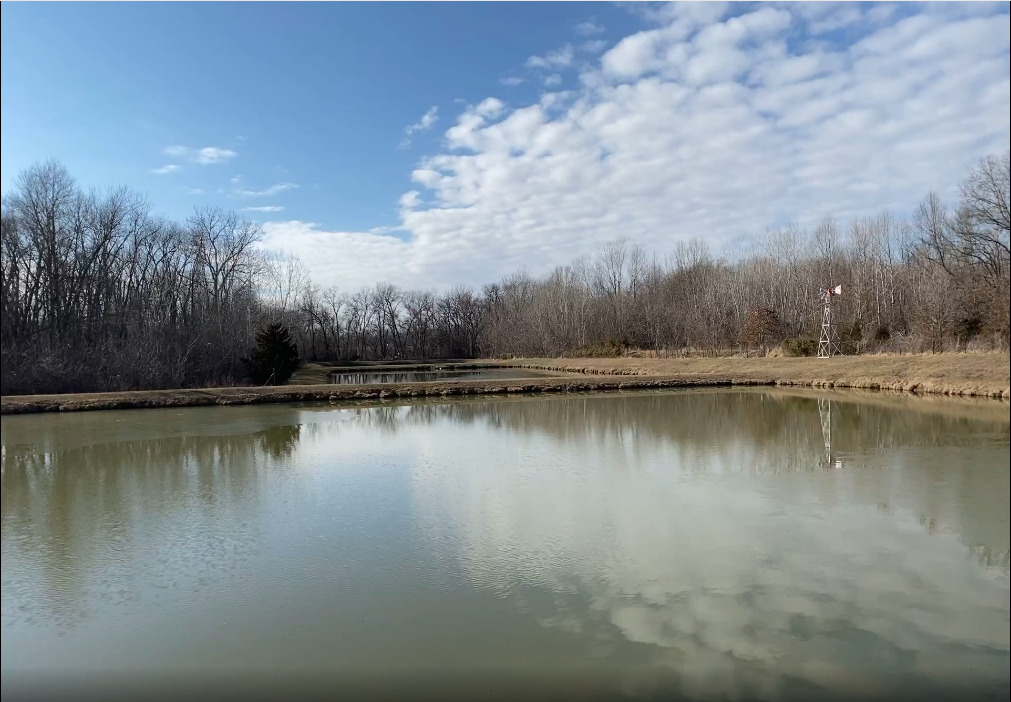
(800, 347)
(850, 339)
(274, 358)
(967, 329)
(608, 348)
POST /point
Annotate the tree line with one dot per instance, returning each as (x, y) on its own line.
(100, 293)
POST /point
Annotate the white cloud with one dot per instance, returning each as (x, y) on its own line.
(489, 107)
(511, 81)
(275, 189)
(166, 169)
(634, 55)
(462, 135)
(348, 258)
(836, 17)
(208, 155)
(554, 60)
(264, 208)
(701, 126)
(552, 79)
(684, 14)
(195, 191)
(410, 199)
(426, 122)
(589, 28)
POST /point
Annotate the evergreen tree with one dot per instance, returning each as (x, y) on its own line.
(274, 358)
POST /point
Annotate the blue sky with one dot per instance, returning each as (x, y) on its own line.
(316, 94)
(551, 128)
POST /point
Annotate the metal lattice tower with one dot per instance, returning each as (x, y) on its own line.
(827, 344)
(828, 459)
(825, 414)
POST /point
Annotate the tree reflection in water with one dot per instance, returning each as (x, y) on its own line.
(720, 544)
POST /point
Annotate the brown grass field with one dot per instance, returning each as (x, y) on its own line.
(968, 374)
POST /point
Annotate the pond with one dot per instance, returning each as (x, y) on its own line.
(697, 544)
(388, 376)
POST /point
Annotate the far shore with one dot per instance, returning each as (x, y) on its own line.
(965, 374)
(974, 374)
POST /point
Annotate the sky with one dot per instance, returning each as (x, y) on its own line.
(435, 144)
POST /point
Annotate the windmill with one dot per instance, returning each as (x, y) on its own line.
(828, 459)
(827, 344)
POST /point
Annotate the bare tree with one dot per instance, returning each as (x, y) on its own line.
(98, 293)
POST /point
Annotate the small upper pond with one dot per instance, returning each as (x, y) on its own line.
(698, 544)
(448, 374)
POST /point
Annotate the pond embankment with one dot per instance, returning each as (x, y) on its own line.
(331, 393)
(965, 374)
(971, 375)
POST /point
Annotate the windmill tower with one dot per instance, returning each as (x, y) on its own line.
(828, 459)
(827, 344)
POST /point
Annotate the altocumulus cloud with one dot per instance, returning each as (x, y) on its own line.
(205, 156)
(703, 124)
(426, 122)
(275, 189)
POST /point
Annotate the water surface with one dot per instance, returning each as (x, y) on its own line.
(362, 377)
(732, 544)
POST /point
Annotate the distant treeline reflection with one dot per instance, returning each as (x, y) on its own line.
(787, 424)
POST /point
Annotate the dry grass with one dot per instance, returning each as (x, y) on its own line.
(140, 399)
(971, 374)
(982, 374)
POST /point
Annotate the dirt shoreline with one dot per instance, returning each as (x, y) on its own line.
(967, 375)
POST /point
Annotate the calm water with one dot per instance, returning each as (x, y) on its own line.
(442, 375)
(682, 545)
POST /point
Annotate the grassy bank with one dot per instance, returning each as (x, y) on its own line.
(140, 399)
(968, 374)
(971, 375)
